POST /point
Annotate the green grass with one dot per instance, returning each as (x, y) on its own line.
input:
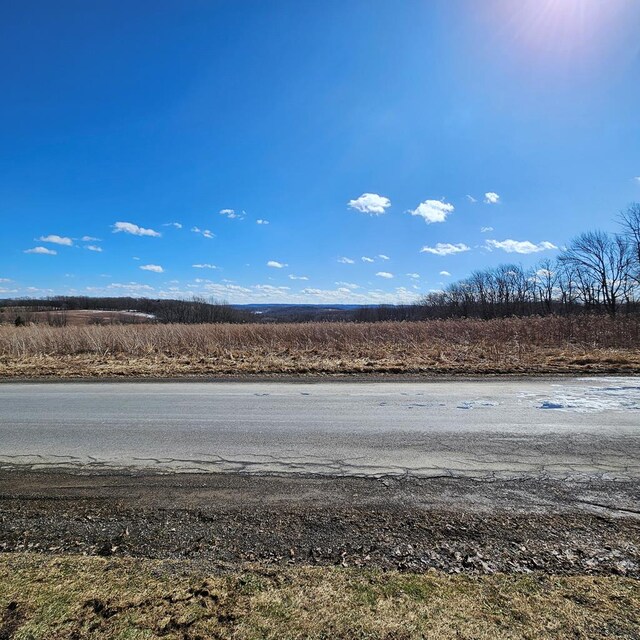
(82, 597)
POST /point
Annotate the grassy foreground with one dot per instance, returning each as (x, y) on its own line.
(549, 345)
(88, 597)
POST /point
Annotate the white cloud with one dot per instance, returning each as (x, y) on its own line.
(261, 221)
(348, 285)
(486, 229)
(276, 265)
(471, 199)
(156, 268)
(446, 249)
(491, 197)
(269, 288)
(366, 259)
(415, 276)
(54, 239)
(5, 280)
(638, 178)
(519, 246)
(384, 274)
(93, 247)
(206, 265)
(445, 273)
(42, 251)
(232, 214)
(129, 286)
(370, 203)
(292, 277)
(383, 257)
(433, 211)
(176, 225)
(134, 229)
(344, 260)
(90, 239)
(204, 232)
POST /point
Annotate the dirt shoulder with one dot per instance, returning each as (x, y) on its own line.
(450, 525)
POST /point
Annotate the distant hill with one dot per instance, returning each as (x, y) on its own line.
(60, 310)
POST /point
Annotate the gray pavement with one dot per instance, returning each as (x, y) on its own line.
(564, 428)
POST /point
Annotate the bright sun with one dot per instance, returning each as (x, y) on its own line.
(564, 26)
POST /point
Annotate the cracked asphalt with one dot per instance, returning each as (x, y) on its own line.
(565, 428)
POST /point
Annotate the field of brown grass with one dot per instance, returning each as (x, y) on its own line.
(550, 345)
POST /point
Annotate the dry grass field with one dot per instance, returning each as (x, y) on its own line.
(75, 597)
(535, 345)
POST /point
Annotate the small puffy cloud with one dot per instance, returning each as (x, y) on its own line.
(134, 229)
(156, 268)
(446, 249)
(93, 247)
(292, 277)
(471, 199)
(519, 246)
(370, 203)
(366, 259)
(446, 274)
(204, 232)
(54, 239)
(42, 251)
(415, 276)
(344, 260)
(347, 285)
(274, 264)
(383, 257)
(175, 225)
(486, 229)
(491, 197)
(261, 221)
(232, 214)
(433, 211)
(384, 274)
(90, 239)
(206, 265)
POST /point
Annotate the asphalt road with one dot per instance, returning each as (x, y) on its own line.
(565, 428)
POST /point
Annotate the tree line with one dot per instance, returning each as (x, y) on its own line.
(596, 272)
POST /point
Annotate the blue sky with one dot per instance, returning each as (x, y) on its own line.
(365, 135)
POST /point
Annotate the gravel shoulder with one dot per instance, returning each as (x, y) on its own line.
(227, 520)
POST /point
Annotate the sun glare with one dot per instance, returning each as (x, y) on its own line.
(564, 27)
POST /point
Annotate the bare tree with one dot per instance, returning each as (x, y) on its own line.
(546, 281)
(601, 262)
(630, 220)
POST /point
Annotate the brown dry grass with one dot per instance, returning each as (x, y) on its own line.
(594, 344)
(75, 597)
